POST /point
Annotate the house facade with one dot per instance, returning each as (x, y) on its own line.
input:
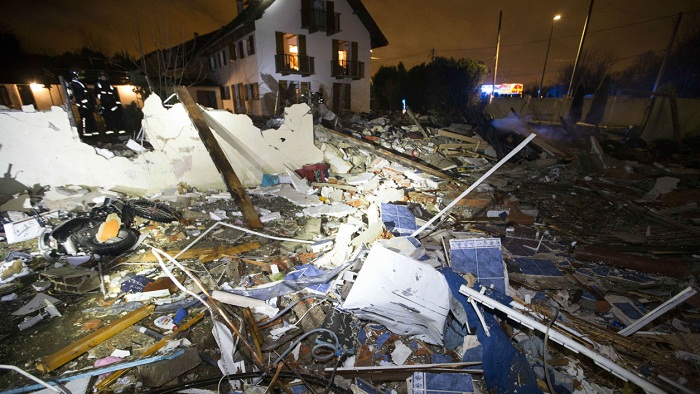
(275, 51)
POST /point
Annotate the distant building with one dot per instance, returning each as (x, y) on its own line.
(274, 51)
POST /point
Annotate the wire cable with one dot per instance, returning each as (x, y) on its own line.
(264, 323)
(319, 381)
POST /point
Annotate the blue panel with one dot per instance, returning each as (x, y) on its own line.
(629, 310)
(540, 267)
(442, 383)
(482, 257)
(398, 219)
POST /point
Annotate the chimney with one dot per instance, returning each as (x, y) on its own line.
(196, 36)
(239, 6)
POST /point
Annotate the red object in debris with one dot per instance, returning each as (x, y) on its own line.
(314, 172)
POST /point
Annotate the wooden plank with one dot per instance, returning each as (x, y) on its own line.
(204, 255)
(233, 183)
(158, 345)
(413, 118)
(75, 349)
(481, 144)
(389, 155)
(452, 150)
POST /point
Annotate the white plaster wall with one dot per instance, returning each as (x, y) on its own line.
(42, 148)
(253, 152)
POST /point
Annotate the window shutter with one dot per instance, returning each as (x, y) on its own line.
(251, 44)
(302, 44)
(279, 37)
(232, 51)
(330, 17)
(353, 51)
(305, 4)
(336, 46)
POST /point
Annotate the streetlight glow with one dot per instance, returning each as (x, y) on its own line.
(557, 17)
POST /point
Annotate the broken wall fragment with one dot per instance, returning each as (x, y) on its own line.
(407, 296)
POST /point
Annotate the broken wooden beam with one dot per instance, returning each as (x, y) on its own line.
(417, 123)
(390, 155)
(666, 267)
(480, 144)
(233, 183)
(75, 349)
(396, 372)
(157, 346)
(204, 255)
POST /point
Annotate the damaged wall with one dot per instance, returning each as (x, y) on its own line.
(253, 152)
(660, 125)
(41, 148)
(620, 111)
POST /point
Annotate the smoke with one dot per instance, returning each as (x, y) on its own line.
(516, 124)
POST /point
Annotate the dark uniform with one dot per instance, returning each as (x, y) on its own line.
(87, 126)
(111, 106)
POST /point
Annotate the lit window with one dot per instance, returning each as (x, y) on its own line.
(293, 48)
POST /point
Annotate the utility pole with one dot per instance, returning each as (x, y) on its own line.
(498, 48)
(580, 46)
(432, 55)
(549, 44)
(662, 69)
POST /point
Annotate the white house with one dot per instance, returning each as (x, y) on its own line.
(275, 50)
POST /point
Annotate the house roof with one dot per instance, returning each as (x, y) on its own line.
(377, 37)
(189, 48)
(257, 8)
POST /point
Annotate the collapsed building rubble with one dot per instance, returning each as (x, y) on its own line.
(395, 255)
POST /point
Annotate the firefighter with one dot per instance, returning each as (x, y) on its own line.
(87, 127)
(111, 107)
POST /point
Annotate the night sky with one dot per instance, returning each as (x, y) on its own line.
(453, 28)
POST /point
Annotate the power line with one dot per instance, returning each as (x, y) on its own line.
(623, 10)
(533, 41)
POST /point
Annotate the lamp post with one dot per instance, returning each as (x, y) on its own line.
(544, 68)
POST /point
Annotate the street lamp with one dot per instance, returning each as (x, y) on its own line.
(544, 68)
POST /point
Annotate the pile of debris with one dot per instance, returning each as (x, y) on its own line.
(415, 258)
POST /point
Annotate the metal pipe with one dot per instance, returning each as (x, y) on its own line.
(562, 339)
(475, 184)
(662, 69)
(546, 56)
(580, 46)
(498, 48)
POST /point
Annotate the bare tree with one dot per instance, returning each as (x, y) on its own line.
(95, 43)
(160, 70)
(591, 70)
